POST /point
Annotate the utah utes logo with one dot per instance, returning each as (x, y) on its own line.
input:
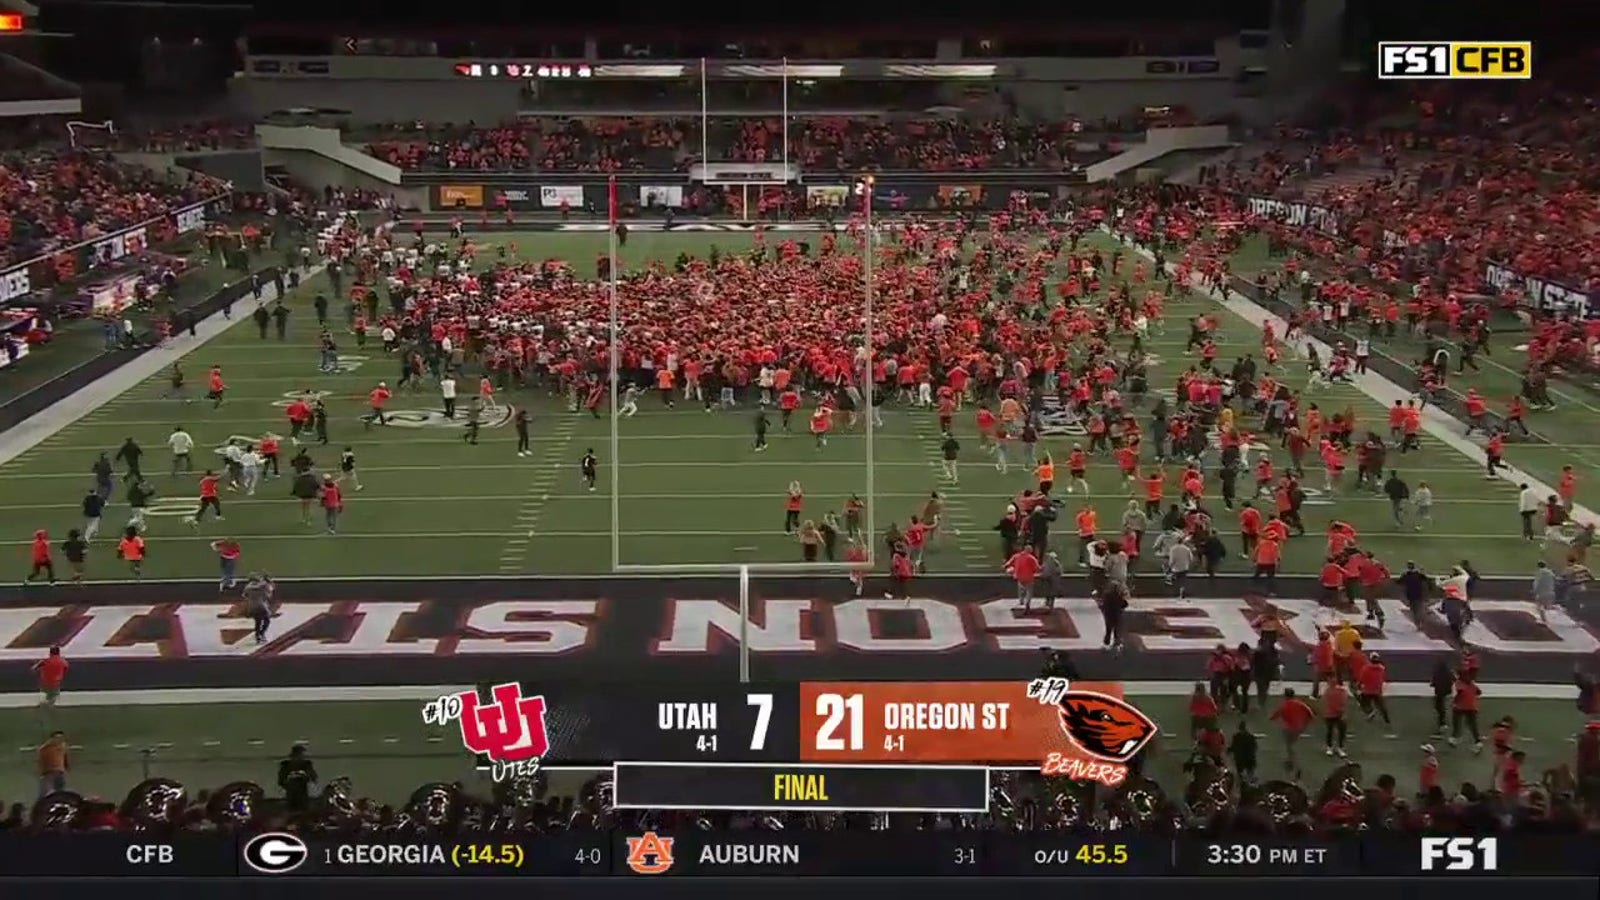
(1103, 726)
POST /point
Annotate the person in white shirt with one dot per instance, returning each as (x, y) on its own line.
(182, 445)
(234, 454)
(1528, 503)
(250, 470)
(447, 392)
(630, 401)
(766, 380)
(1421, 505)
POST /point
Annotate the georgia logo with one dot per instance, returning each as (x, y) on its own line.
(275, 853)
(1104, 727)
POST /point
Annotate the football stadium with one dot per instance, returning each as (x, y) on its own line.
(650, 387)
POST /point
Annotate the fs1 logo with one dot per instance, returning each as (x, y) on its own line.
(509, 736)
(1454, 59)
(1460, 854)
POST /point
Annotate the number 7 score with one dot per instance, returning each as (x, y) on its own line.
(931, 722)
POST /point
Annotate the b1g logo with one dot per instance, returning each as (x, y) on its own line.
(1455, 59)
(510, 733)
(1460, 854)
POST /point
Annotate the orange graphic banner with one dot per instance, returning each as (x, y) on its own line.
(933, 722)
(468, 195)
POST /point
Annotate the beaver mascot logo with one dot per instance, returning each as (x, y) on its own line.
(1103, 726)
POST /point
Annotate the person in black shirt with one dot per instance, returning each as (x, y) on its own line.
(1243, 750)
(1414, 583)
(319, 413)
(130, 453)
(296, 775)
(520, 421)
(262, 319)
(950, 453)
(1398, 493)
(93, 506)
(280, 318)
(762, 423)
(75, 549)
(589, 467)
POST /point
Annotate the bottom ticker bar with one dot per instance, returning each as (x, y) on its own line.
(846, 852)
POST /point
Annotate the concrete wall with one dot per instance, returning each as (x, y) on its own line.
(317, 171)
(1112, 98)
(461, 100)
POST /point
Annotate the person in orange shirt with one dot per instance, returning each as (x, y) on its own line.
(821, 424)
(1249, 529)
(53, 764)
(1088, 522)
(1464, 712)
(1567, 487)
(1046, 472)
(1023, 566)
(215, 388)
(1202, 710)
(1501, 736)
(1335, 730)
(52, 671)
(1323, 663)
(664, 383)
(486, 393)
(380, 395)
(131, 550)
(855, 553)
(332, 503)
(1268, 551)
(1155, 486)
(1332, 581)
(43, 562)
(1293, 715)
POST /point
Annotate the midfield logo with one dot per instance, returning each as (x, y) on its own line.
(511, 734)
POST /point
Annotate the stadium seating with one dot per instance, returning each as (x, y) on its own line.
(665, 144)
(54, 198)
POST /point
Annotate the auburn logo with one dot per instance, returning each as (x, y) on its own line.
(1103, 726)
(650, 854)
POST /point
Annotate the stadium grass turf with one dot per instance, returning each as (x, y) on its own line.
(691, 490)
(388, 751)
(1572, 429)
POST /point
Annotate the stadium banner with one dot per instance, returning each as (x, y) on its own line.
(552, 196)
(460, 196)
(961, 194)
(1295, 213)
(833, 195)
(514, 198)
(44, 272)
(744, 173)
(1543, 295)
(661, 195)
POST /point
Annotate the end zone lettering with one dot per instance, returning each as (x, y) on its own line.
(1455, 59)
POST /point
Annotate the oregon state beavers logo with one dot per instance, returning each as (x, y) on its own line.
(1103, 726)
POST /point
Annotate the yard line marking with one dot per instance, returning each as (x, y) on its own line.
(692, 464)
(514, 534)
(533, 504)
(954, 508)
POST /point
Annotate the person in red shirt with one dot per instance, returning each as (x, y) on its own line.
(378, 398)
(821, 424)
(215, 388)
(855, 553)
(1292, 716)
(793, 503)
(227, 550)
(1024, 567)
(43, 564)
(1428, 772)
(917, 542)
(1464, 712)
(332, 503)
(209, 498)
(900, 572)
(1511, 774)
(52, 671)
(1494, 455)
(788, 402)
(1335, 729)
(1369, 686)
(1202, 710)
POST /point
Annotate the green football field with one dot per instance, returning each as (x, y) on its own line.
(691, 491)
(387, 751)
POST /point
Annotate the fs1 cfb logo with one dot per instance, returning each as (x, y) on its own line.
(275, 853)
(1460, 854)
(1415, 60)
